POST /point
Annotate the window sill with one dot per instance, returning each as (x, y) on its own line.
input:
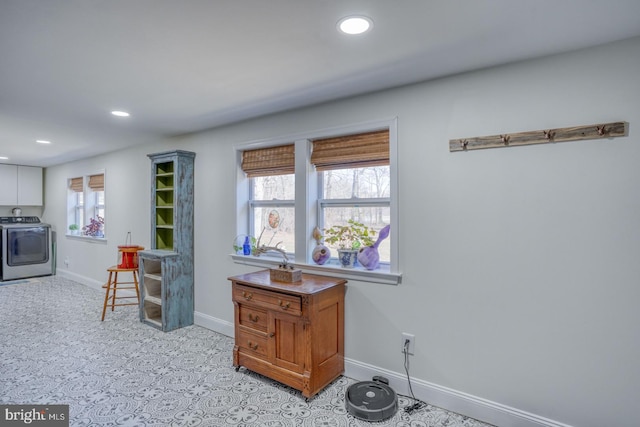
(377, 276)
(90, 239)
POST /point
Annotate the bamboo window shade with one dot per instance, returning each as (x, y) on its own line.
(351, 151)
(278, 160)
(96, 182)
(75, 185)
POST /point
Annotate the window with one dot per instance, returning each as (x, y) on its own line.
(323, 178)
(86, 206)
(76, 203)
(271, 196)
(354, 182)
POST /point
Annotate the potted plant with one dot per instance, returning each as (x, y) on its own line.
(348, 239)
(74, 229)
(94, 229)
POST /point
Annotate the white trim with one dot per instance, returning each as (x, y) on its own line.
(306, 195)
(213, 323)
(89, 204)
(376, 276)
(91, 283)
(434, 394)
(395, 196)
(94, 284)
(449, 399)
(90, 239)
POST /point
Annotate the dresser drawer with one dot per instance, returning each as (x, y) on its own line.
(253, 317)
(285, 303)
(252, 342)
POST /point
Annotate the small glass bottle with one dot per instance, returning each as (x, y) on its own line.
(246, 247)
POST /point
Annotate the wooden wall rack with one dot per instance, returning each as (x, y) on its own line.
(576, 133)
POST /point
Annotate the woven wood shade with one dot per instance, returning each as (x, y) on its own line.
(269, 161)
(75, 184)
(96, 182)
(351, 151)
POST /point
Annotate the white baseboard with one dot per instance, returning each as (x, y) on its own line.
(213, 323)
(449, 399)
(433, 394)
(94, 284)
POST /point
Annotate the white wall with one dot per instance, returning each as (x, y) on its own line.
(520, 271)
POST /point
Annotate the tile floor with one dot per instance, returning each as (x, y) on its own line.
(120, 372)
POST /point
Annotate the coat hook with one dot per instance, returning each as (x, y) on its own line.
(549, 134)
(464, 143)
(505, 139)
(601, 130)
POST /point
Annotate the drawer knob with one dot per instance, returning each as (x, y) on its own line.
(252, 346)
(272, 334)
(254, 318)
(247, 295)
(284, 305)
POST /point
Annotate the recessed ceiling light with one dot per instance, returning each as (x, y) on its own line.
(355, 24)
(120, 113)
(42, 141)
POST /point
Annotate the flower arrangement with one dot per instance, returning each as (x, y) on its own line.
(349, 237)
(94, 229)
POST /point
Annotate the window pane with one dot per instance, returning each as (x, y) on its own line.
(276, 225)
(374, 217)
(99, 204)
(80, 217)
(363, 183)
(279, 187)
(79, 210)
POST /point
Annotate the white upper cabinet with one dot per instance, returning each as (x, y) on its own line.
(9, 186)
(20, 185)
(29, 186)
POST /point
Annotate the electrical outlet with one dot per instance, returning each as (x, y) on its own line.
(66, 261)
(411, 345)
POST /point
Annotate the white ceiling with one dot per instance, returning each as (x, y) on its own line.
(184, 66)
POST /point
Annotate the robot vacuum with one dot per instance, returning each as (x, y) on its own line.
(371, 400)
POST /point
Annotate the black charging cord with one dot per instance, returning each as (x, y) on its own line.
(418, 404)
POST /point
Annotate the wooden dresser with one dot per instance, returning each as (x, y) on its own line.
(290, 332)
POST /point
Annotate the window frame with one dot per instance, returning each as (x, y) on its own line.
(349, 203)
(89, 208)
(307, 203)
(253, 204)
(79, 209)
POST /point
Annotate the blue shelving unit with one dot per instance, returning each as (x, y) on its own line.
(166, 271)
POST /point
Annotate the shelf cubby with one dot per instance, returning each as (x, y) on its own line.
(164, 168)
(152, 312)
(164, 238)
(164, 215)
(164, 182)
(153, 286)
(152, 267)
(164, 198)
